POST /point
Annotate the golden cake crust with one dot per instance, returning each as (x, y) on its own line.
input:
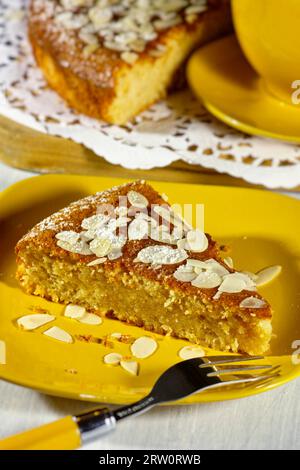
(92, 83)
(70, 218)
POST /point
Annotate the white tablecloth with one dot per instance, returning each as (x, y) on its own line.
(267, 421)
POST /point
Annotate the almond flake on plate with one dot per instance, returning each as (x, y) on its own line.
(143, 347)
(97, 261)
(130, 366)
(35, 320)
(91, 319)
(2, 352)
(137, 200)
(112, 359)
(252, 302)
(267, 275)
(190, 352)
(74, 311)
(116, 335)
(207, 280)
(58, 333)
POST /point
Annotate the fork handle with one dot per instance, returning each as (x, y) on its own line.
(65, 434)
(62, 434)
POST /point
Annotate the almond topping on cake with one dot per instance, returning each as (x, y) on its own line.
(207, 280)
(137, 200)
(252, 302)
(160, 254)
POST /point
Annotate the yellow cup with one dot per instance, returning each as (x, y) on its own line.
(269, 34)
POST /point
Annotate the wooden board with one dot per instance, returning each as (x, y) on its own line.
(24, 148)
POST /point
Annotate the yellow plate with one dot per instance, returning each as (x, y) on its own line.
(262, 228)
(231, 90)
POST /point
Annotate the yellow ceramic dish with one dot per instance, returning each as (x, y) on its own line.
(231, 90)
(261, 227)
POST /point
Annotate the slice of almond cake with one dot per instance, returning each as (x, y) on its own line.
(125, 254)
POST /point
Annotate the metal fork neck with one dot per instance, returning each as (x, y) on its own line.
(136, 408)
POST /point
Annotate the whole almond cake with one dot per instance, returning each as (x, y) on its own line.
(124, 253)
(111, 59)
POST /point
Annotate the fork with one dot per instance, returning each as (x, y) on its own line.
(179, 381)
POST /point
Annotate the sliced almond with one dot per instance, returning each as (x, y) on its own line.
(97, 261)
(74, 311)
(95, 222)
(169, 216)
(160, 233)
(190, 352)
(207, 280)
(112, 359)
(129, 57)
(35, 320)
(160, 254)
(122, 221)
(100, 246)
(253, 302)
(267, 275)
(143, 347)
(196, 263)
(91, 319)
(137, 200)
(58, 333)
(229, 261)
(2, 352)
(116, 335)
(216, 267)
(121, 211)
(138, 229)
(184, 275)
(252, 276)
(130, 366)
(68, 236)
(197, 241)
(114, 254)
(236, 282)
(80, 247)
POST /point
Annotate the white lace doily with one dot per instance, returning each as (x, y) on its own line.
(177, 128)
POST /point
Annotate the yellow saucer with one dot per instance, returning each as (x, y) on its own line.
(245, 219)
(231, 90)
